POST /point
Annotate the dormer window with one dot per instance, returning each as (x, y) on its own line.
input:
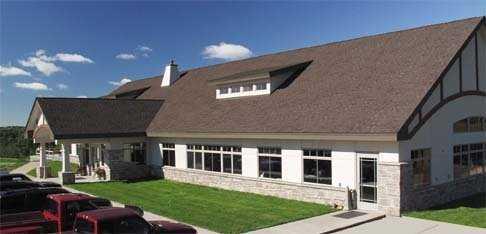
(256, 82)
(224, 90)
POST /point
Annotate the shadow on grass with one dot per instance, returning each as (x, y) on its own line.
(474, 201)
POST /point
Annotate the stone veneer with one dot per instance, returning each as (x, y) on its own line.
(389, 187)
(117, 169)
(303, 192)
(429, 196)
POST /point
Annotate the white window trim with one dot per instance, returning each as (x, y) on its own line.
(220, 152)
(162, 148)
(318, 158)
(242, 92)
(269, 155)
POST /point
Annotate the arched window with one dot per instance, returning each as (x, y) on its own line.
(470, 124)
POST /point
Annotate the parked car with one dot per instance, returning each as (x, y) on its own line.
(57, 214)
(14, 177)
(21, 181)
(26, 199)
(124, 220)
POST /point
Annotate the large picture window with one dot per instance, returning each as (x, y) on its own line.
(421, 167)
(168, 154)
(225, 159)
(469, 159)
(134, 152)
(471, 124)
(270, 162)
(317, 166)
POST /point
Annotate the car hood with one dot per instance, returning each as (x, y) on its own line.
(48, 184)
(171, 227)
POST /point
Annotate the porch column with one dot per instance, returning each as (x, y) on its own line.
(43, 171)
(98, 156)
(66, 176)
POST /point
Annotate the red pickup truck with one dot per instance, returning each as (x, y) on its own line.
(57, 215)
(123, 220)
(60, 213)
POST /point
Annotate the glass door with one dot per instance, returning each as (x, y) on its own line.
(367, 182)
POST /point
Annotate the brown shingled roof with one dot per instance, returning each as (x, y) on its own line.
(368, 85)
(95, 117)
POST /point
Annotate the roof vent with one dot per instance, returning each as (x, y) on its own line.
(171, 74)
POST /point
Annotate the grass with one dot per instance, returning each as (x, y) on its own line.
(470, 211)
(56, 166)
(215, 209)
(8, 164)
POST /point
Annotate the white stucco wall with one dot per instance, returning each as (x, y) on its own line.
(482, 58)
(469, 66)
(437, 134)
(344, 156)
(451, 83)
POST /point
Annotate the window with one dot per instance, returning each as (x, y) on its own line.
(134, 152)
(235, 89)
(168, 154)
(134, 225)
(469, 159)
(471, 124)
(270, 162)
(247, 88)
(421, 167)
(317, 166)
(225, 159)
(261, 86)
(224, 90)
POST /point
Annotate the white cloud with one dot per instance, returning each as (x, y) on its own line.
(44, 66)
(73, 58)
(82, 96)
(144, 48)
(121, 82)
(226, 52)
(13, 71)
(124, 56)
(32, 86)
(62, 86)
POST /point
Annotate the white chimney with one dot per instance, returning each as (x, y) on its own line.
(171, 74)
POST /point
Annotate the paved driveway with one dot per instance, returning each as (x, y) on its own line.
(406, 225)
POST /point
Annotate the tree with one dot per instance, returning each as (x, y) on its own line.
(13, 143)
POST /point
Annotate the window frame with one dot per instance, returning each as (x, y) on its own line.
(213, 151)
(419, 159)
(326, 156)
(467, 150)
(168, 147)
(269, 152)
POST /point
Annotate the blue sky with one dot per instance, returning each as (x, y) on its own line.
(70, 49)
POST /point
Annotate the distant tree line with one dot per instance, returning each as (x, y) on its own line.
(13, 143)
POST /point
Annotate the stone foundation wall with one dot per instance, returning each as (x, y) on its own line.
(121, 170)
(303, 192)
(429, 196)
(389, 187)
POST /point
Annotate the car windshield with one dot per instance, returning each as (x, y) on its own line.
(16, 177)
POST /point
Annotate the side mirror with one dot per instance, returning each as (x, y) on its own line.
(137, 209)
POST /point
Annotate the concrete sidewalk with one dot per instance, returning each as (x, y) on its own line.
(25, 168)
(407, 225)
(324, 224)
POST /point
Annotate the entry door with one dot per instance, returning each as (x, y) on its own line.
(367, 186)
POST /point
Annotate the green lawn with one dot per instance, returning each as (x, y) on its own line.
(56, 166)
(8, 164)
(470, 211)
(215, 209)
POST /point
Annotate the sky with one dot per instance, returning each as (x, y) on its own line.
(87, 48)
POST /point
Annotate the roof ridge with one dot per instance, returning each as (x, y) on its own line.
(337, 42)
(107, 99)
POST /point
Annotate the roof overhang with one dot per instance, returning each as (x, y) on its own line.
(389, 137)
